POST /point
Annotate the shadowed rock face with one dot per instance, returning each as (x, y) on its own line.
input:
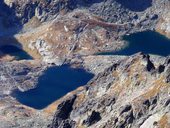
(63, 113)
(92, 119)
(25, 10)
(9, 18)
(4, 8)
(136, 5)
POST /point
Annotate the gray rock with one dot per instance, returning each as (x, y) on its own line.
(92, 119)
(61, 117)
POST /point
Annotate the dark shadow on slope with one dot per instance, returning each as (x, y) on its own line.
(86, 3)
(55, 83)
(16, 52)
(27, 11)
(148, 42)
(10, 46)
(8, 15)
(72, 4)
(24, 12)
(10, 24)
(136, 5)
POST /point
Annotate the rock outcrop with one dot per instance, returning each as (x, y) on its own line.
(63, 113)
(22, 75)
(164, 23)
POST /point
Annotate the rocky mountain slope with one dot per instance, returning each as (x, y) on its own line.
(85, 27)
(133, 92)
(126, 92)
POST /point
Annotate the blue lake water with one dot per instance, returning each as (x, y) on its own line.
(19, 54)
(58, 81)
(53, 84)
(148, 42)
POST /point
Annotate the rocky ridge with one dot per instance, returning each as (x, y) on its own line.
(121, 96)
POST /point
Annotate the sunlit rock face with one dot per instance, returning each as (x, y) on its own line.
(164, 24)
(131, 93)
(9, 2)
